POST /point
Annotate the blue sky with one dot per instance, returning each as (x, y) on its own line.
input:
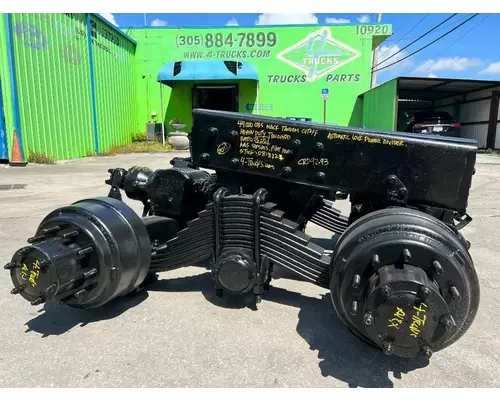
(468, 52)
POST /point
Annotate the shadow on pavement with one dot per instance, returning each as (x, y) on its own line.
(342, 355)
(56, 319)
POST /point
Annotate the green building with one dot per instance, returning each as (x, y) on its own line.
(73, 85)
(270, 70)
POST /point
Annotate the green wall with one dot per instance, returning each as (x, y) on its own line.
(54, 84)
(379, 106)
(6, 86)
(282, 56)
(115, 88)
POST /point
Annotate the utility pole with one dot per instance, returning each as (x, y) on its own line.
(375, 56)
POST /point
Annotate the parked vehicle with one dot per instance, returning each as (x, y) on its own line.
(434, 122)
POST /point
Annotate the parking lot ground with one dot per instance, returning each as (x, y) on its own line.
(177, 334)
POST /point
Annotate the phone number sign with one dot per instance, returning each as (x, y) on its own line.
(233, 40)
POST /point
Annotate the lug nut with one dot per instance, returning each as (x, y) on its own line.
(368, 319)
(424, 292)
(385, 291)
(448, 323)
(356, 281)
(388, 349)
(426, 352)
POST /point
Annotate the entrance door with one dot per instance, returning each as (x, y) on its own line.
(216, 97)
(4, 152)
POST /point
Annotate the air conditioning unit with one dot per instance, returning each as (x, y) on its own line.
(153, 131)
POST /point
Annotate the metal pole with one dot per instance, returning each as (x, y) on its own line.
(375, 56)
(324, 112)
(162, 115)
(257, 98)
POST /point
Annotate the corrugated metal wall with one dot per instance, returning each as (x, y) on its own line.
(52, 74)
(113, 64)
(379, 107)
(6, 86)
(473, 112)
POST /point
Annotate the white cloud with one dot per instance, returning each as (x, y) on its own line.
(333, 20)
(158, 22)
(286, 19)
(232, 22)
(492, 69)
(364, 19)
(390, 51)
(432, 76)
(110, 17)
(448, 64)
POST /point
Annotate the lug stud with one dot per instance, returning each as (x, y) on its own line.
(51, 288)
(37, 301)
(12, 265)
(71, 234)
(90, 273)
(18, 290)
(438, 269)
(85, 252)
(356, 281)
(354, 308)
(53, 229)
(406, 255)
(80, 293)
(375, 261)
(455, 293)
(36, 239)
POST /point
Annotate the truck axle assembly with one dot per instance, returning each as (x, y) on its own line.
(400, 275)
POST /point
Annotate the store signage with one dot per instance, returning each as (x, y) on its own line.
(318, 54)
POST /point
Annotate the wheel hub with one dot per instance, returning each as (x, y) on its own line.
(404, 312)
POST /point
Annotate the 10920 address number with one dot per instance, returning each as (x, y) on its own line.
(372, 29)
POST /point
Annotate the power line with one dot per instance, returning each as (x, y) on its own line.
(414, 26)
(437, 30)
(416, 40)
(451, 44)
(429, 44)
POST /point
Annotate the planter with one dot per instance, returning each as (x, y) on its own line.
(178, 140)
(178, 127)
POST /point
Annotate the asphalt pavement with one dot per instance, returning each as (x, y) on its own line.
(178, 334)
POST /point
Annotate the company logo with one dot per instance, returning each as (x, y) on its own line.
(31, 35)
(318, 54)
